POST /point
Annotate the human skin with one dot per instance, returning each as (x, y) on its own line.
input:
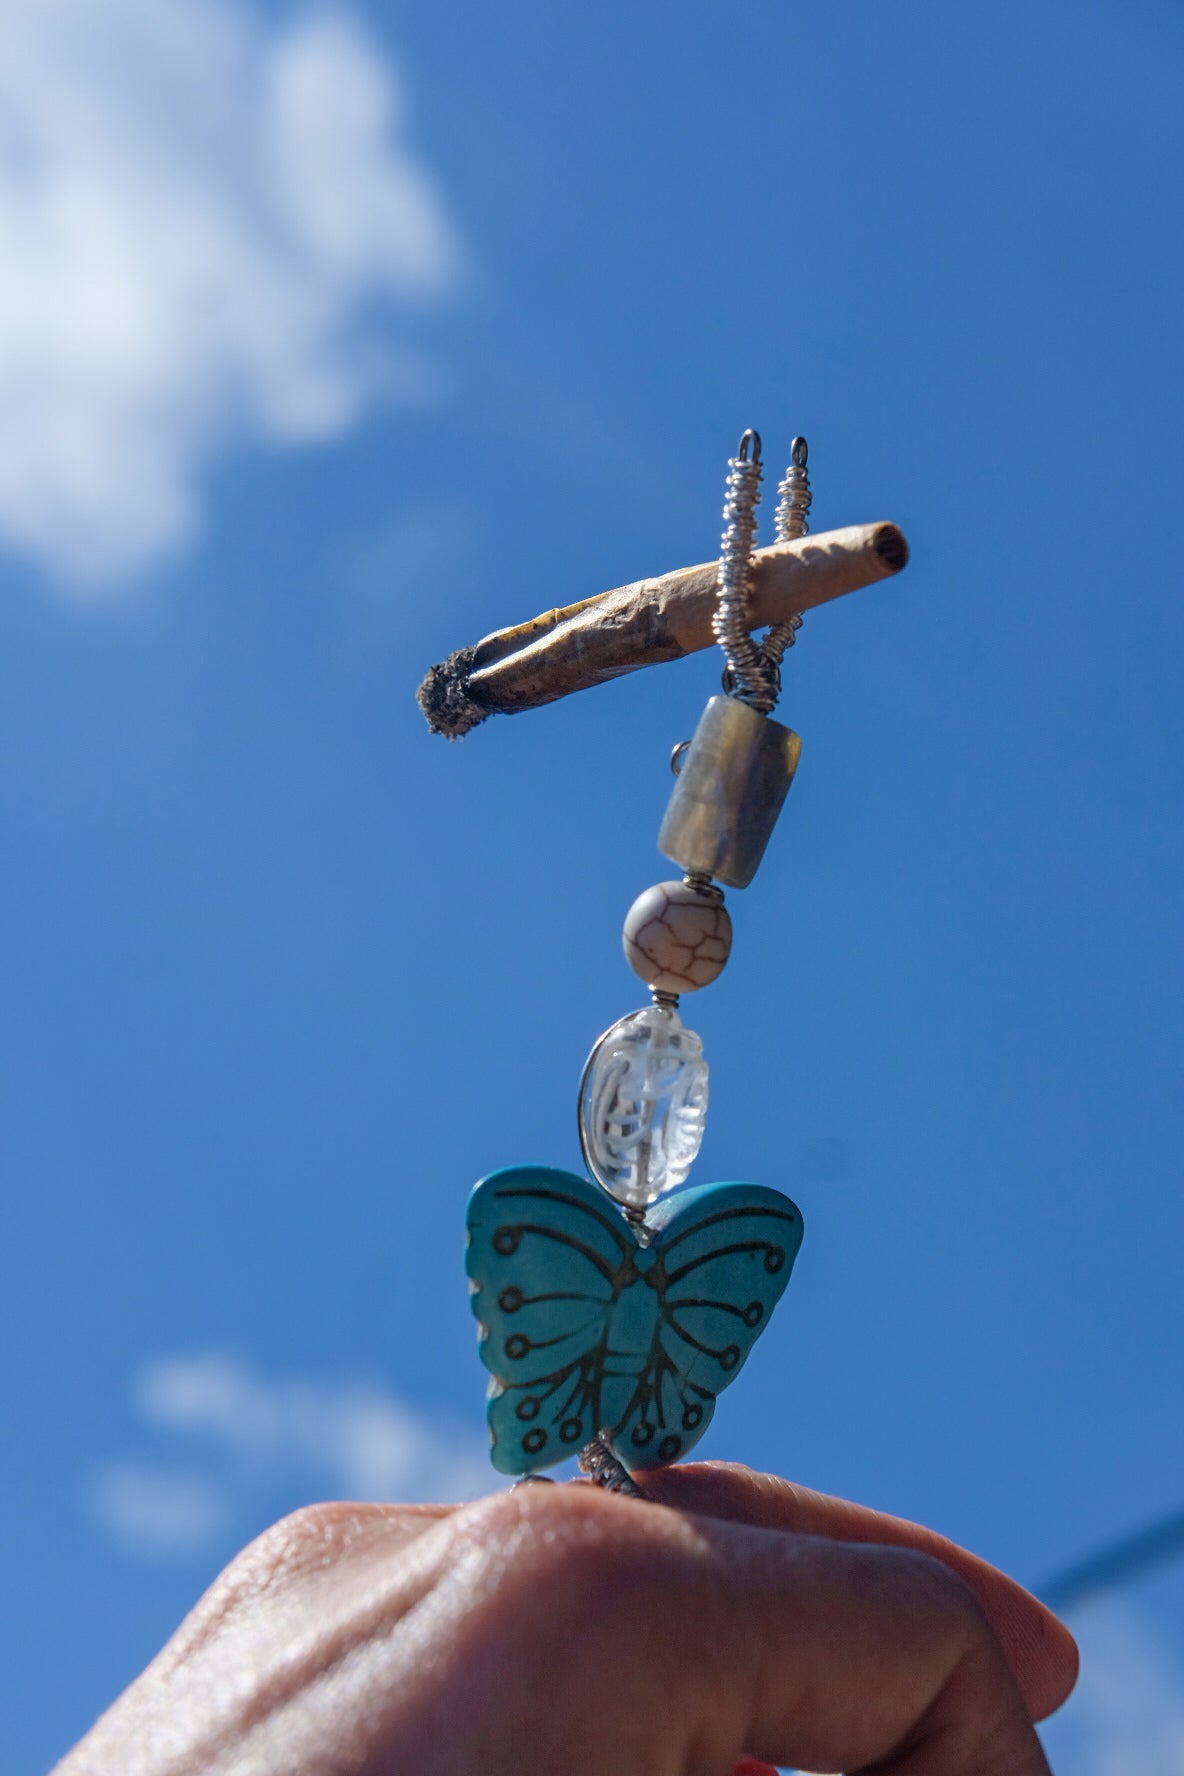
(564, 1629)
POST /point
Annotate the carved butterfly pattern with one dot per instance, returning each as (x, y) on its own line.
(584, 1329)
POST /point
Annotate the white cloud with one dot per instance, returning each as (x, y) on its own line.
(1127, 1713)
(356, 1440)
(358, 1437)
(157, 1511)
(198, 214)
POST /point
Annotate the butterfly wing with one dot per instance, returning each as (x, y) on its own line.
(723, 1257)
(546, 1258)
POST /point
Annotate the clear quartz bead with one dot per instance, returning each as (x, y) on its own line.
(643, 1105)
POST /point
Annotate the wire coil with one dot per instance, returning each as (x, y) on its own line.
(745, 676)
(753, 671)
(792, 521)
(793, 508)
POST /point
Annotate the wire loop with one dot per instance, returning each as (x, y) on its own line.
(792, 521)
(752, 670)
(745, 676)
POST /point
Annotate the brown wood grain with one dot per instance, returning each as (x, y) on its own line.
(580, 645)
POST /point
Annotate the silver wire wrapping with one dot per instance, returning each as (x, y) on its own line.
(753, 670)
(746, 676)
(732, 777)
(605, 1469)
(792, 521)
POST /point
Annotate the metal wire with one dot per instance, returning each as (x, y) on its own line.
(792, 521)
(753, 670)
(745, 675)
(793, 508)
(601, 1465)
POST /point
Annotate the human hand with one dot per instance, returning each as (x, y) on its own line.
(564, 1629)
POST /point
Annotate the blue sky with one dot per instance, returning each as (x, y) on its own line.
(328, 343)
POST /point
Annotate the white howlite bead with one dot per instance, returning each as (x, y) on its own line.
(676, 937)
(643, 1105)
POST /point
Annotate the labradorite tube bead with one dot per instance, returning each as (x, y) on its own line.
(734, 777)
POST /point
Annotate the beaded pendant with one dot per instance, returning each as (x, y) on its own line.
(613, 1309)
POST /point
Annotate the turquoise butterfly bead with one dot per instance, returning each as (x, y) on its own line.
(584, 1329)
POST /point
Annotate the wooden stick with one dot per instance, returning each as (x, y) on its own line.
(600, 638)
